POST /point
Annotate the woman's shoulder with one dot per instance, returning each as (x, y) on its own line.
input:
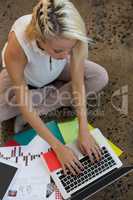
(13, 52)
(20, 26)
(25, 19)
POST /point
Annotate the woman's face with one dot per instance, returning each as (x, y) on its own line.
(58, 48)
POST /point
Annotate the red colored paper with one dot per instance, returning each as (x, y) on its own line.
(52, 161)
(11, 143)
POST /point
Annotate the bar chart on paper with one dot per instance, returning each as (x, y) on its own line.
(26, 154)
(19, 154)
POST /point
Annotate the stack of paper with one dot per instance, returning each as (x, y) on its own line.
(32, 179)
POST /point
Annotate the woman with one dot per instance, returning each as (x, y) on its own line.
(51, 44)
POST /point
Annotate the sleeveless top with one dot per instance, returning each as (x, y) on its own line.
(41, 68)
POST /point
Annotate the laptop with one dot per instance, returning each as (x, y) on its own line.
(8, 171)
(93, 178)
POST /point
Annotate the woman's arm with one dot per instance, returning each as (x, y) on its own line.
(78, 88)
(15, 60)
(86, 142)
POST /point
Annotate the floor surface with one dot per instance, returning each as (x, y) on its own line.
(110, 24)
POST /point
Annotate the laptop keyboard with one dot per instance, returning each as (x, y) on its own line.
(91, 170)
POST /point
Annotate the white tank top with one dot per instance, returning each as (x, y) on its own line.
(39, 71)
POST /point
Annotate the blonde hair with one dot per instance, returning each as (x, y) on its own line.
(52, 18)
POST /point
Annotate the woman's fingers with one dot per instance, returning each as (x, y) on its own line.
(64, 169)
(92, 151)
(95, 153)
(78, 163)
(71, 169)
(99, 151)
(82, 150)
(75, 167)
(89, 152)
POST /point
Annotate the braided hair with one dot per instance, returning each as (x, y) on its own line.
(49, 18)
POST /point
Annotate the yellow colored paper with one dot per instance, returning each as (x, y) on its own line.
(116, 149)
(69, 131)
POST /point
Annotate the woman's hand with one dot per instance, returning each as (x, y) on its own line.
(68, 160)
(88, 145)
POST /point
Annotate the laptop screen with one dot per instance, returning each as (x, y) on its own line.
(7, 173)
